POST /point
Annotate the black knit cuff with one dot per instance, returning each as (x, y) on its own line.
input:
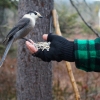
(68, 50)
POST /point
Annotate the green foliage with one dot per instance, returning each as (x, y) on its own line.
(7, 3)
(67, 21)
(1, 49)
(85, 29)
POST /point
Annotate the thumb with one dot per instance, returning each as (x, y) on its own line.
(45, 36)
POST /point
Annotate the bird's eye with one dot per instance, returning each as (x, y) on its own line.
(35, 13)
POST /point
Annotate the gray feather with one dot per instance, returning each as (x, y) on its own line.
(6, 52)
(20, 25)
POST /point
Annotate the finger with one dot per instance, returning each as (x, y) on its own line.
(31, 50)
(31, 41)
(31, 47)
(45, 36)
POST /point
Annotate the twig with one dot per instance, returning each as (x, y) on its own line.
(87, 5)
(90, 10)
(96, 33)
(68, 66)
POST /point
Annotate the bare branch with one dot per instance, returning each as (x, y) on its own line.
(96, 33)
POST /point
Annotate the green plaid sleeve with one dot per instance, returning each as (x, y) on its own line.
(87, 55)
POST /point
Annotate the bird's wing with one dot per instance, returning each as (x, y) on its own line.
(22, 23)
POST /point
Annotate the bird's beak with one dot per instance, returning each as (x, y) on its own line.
(40, 16)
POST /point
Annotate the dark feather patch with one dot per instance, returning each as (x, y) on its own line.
(32, 12)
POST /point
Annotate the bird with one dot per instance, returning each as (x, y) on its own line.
(20, 30)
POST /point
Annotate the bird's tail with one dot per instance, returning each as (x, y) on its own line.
(5, 41)
(6, 52)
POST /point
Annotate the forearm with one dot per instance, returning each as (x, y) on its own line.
(87, 54)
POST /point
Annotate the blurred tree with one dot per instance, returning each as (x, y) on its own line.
(67, 21)
(8, 17)
(8, 3)
(6, 6)
(34, 77)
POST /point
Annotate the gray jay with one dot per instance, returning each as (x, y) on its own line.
(21, 29)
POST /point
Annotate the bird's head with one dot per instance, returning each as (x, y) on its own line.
(34, 14)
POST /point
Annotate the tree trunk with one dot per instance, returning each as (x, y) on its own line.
(34, 77)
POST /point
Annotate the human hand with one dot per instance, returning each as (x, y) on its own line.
(30, 45)
(60, 49)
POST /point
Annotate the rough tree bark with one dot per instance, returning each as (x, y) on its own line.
(34, 77)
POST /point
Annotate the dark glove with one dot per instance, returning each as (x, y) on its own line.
(60, 49)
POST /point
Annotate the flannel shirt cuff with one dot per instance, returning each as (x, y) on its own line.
(87, 54)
